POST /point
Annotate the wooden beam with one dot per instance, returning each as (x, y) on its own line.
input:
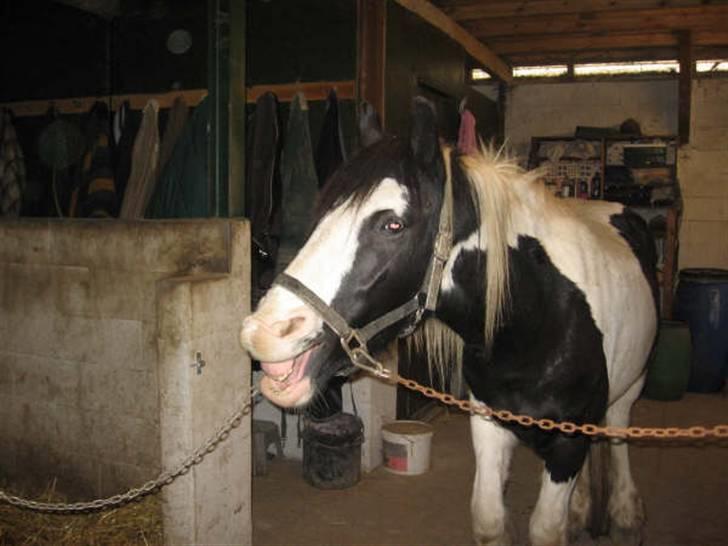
(477, 9)
(81, 105)
(546, 43)
(371, 53)
(345, 89)
(611, 54)
(685, 86)
(712, 16)
(475, 48)
(593, 56)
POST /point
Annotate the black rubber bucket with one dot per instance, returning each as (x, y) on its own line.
(332, 451)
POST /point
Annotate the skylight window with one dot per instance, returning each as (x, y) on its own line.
(479, 74)
(550, 71)
(640, 67)
(607, 69)
(715, 65)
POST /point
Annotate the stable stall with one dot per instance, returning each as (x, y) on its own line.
(161, 163)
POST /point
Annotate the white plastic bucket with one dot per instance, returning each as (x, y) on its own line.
(406, 446)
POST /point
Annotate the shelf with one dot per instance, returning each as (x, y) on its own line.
(578, 171)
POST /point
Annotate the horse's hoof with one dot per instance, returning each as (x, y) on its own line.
(504, 540)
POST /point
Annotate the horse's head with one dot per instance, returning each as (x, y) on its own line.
(368, 254)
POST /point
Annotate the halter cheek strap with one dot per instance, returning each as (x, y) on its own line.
(354, 340)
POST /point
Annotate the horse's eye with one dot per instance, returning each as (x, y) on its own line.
(393, 226)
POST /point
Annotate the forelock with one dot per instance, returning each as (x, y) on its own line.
(355, 181)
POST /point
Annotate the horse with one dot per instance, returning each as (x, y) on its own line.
(545, 306)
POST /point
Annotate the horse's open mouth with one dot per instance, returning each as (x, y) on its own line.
(285, 383)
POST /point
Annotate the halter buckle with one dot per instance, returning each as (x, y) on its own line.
(356, 348)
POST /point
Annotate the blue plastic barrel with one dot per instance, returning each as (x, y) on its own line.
(702, 302)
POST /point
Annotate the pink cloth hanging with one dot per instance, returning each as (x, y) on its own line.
(467, 141)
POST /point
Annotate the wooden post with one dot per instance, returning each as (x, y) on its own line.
(685, 85)
(371, 52)
(669, 262)
(236, 137)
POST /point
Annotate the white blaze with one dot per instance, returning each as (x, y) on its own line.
(329, 253)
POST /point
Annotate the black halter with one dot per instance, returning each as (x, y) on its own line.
(354, 340)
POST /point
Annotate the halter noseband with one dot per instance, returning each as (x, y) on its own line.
(354, 340)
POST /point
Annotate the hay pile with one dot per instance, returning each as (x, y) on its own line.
(138, 523)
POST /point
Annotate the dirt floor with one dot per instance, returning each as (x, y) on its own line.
(685, 488)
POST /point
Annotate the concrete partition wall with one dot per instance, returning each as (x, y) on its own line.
(100, 322)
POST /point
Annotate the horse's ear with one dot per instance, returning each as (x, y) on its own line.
(424, 139)
(370, 128)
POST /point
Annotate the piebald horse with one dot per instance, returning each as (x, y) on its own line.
(546, 306)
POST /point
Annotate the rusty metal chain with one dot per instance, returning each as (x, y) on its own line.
(163, 480)
(717, 431)
(365, 361)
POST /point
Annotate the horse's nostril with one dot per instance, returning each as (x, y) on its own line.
(285, 328)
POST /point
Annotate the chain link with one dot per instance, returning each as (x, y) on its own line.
(163, 480)
(717, 431)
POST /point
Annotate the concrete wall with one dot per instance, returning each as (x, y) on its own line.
(555, 109)
(100, 322)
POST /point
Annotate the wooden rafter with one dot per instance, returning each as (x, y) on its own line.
(473, 46)
(669, 52)
(707, 17)
(477, 9)
(546, 43)
(312, 90)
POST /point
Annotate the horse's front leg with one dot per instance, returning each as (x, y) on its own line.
(493, 447)
(550, 518)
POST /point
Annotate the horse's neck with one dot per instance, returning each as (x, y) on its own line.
(463, 299)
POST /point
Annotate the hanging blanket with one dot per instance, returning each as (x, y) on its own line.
(183, 188)
(12, 168)
(299, 183)
(330, 151)
(145, 157)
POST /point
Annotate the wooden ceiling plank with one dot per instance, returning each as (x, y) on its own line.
(582, 42)
(608, 55)
(686, 18)
(474, 47)
(463, 12)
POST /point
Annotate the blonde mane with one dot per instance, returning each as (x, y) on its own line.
(497, 185)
